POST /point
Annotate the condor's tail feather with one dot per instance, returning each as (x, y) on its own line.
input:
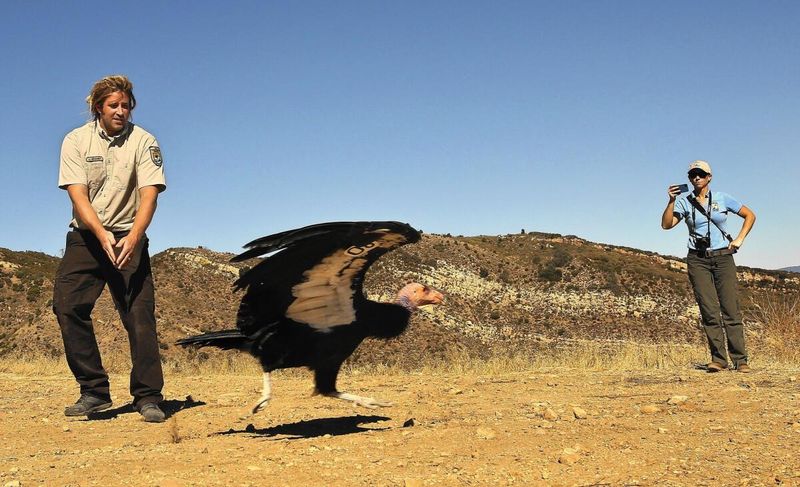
(226, 340)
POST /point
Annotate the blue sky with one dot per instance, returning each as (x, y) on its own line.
(457, 117)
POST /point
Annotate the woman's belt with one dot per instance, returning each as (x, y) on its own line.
(712, 253)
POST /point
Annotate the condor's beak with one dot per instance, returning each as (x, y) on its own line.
(434, 297)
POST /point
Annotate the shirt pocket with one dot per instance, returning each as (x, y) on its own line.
(95, 171)
(720, 217)
(123, 171)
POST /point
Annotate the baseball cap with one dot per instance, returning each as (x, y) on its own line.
(702, 165)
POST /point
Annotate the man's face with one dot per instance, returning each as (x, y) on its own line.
(114, 112)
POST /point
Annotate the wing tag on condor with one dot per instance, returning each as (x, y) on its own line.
(325, 297)
(356, 250)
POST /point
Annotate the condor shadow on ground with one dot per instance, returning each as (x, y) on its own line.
(314, 428)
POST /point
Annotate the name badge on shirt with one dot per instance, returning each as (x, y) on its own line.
(94, 158)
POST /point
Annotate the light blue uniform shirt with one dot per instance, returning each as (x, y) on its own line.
(721, 205)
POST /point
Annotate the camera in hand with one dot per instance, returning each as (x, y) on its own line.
(702, 243)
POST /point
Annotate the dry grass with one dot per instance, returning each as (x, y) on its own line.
(584, 355)
(33, 365)
(774, 338)
(174, 433)
(222, 363)
(217, 362)
(776, 323)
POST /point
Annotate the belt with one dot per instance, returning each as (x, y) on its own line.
(84, 231)
(712, 253)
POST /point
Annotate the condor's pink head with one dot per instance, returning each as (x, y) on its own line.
(414, 295)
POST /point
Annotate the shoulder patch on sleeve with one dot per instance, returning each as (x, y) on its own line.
(155, 155)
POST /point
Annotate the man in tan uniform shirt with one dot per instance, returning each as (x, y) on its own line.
(113, 173)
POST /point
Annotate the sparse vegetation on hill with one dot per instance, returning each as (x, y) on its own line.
(26, 293)
(510, 294)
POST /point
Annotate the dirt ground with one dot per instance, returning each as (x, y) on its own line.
(541, 427)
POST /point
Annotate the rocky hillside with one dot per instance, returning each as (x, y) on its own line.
(511, 291)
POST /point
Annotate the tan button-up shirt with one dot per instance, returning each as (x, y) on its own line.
(113, 168)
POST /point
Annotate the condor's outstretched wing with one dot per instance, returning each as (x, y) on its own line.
(317, 273)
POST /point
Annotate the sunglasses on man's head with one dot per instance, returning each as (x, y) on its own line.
(696, 173)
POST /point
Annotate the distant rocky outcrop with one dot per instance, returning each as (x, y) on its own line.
(502, 292)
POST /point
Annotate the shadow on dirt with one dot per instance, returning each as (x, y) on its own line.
(314, 428)
(170, 407)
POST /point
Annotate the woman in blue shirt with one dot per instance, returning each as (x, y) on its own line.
(710, 264)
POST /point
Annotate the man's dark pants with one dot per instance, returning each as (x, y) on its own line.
(715, 289)
(84, 271)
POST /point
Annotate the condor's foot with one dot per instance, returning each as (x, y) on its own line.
(367, 402)
(266, 394)
(261, 404)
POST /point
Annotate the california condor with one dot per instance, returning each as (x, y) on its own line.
(304, 305)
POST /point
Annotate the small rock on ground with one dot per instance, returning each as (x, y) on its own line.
(550, 415)
(486, 433)
(677, 400)
(569, 456)
(650, 409)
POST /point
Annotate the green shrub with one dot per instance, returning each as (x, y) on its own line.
(550, 274)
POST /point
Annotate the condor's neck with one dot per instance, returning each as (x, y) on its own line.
(384, 320)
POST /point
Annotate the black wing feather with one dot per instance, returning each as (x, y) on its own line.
(277, 241)
(339, 253)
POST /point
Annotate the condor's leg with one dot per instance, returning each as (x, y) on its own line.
(325, 384)
(266, 393)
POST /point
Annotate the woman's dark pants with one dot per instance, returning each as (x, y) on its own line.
(714, 283)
